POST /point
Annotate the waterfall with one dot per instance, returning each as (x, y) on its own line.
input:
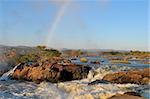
(6, 75)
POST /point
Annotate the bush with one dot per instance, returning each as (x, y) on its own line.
(26, 58)
(84, 60)
(39, 54)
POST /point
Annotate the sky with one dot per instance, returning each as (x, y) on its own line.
(76, 24)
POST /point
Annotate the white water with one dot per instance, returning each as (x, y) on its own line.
(77, 89)
(80, 89)
(6, 75)
(67, 90)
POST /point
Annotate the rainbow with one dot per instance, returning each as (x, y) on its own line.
(57, 19)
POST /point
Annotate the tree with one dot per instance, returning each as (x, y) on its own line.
(41, 47)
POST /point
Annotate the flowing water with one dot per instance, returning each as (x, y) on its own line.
(77, 89)
(6, 75)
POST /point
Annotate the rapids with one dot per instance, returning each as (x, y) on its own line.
(6, 75)
(77, 89)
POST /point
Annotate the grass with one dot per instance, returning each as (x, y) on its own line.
(120, 61)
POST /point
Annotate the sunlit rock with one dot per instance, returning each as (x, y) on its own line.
(132, 76)
(51, 72)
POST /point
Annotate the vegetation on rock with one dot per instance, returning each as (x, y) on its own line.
(83, 59)
(52, 72)
(39, 54)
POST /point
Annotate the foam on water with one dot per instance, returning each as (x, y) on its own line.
(48, 90)
(17, 90)
(6, 75)
(99, 72)
(26, 90)
(77, 89)
(81, 89)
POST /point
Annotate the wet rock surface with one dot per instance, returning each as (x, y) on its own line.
(98, 81)
(95, 62)
(127, 95)
(52, 72)
(132, 76)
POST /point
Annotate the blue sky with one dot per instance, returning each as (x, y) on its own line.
(92, 24)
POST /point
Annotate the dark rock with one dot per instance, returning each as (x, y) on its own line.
(98, 81)
(133, 93)
(102, 61)
(74, 59)
(66, 61)
(95, 62)
(65, 75)
(20, 67)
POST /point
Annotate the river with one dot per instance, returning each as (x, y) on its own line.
(77, 89)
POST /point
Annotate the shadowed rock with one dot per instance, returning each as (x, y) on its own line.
(127, 95)
(50, 72)
(95, 62)
(98, 81)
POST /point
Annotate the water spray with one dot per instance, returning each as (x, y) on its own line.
(56, 21)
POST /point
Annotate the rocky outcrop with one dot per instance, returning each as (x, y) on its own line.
(84, 60)
(98, 81)
(52, 72)
(132, 76)
(127, 95)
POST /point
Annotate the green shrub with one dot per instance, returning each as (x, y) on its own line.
(39, 54)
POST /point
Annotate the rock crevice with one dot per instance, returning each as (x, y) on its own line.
(50, 72)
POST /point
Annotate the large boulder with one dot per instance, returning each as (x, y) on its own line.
(127, 95)
(52, 72)
(132, 76)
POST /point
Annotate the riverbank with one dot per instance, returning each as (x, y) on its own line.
(43, 74)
